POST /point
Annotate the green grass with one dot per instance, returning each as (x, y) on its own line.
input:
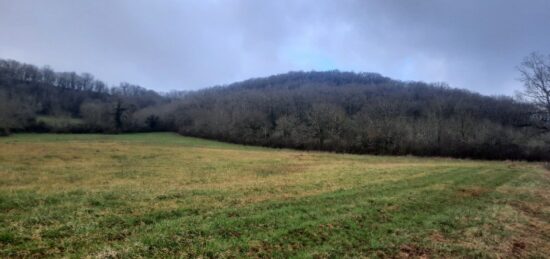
(59, 121)
(163, 195)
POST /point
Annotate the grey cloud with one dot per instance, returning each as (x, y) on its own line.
(193, 44)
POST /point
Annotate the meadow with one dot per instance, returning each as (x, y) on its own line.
(164, 195)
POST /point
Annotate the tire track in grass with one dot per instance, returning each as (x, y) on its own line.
(352, 217)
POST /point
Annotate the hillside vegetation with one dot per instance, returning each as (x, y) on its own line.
(334, 111)
(163, 195)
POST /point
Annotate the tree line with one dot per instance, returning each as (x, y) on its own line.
(28, 92)
(332, 111)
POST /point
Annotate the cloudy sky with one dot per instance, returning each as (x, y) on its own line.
(187, 45)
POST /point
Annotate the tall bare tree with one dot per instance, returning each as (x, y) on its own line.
(535, 75)
(119, 114)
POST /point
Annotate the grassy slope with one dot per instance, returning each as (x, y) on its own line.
(59, 122)
(165, 195)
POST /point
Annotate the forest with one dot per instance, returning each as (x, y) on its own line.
(348, 112)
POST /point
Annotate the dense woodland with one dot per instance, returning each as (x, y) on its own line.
(333, 111)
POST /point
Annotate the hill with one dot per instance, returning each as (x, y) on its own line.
(163, 195)
(332, 111)
(363, 113)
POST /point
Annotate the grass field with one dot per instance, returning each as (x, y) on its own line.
(59, 122)
(163, 195)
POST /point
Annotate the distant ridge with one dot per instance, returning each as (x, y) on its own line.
(330, 110)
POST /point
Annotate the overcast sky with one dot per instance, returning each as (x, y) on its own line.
(187, 45)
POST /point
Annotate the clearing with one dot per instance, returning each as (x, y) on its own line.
(164, 195)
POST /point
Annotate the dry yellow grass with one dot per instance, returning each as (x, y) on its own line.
(129, 195)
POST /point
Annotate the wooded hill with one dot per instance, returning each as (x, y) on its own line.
(333, 111)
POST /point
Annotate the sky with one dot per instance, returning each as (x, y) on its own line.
(185, 45)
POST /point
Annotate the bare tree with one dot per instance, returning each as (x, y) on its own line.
(7, 120)
(13, 114)
(535, 75)
(152, 121)
(119, 114)
(97, 114)
(326, 121)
